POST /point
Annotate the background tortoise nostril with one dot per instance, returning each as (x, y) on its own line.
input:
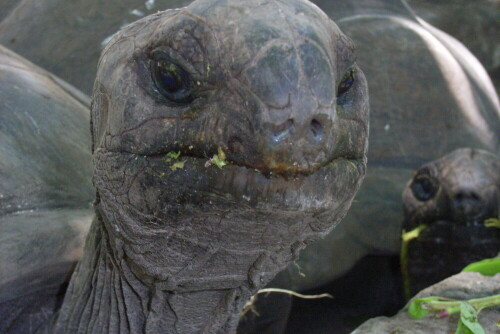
(283, 130)
(475, 196)
(468, 203)
(472, 197)
(317, 129)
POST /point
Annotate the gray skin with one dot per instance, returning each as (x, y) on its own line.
(45, 189)
(181, 250)
(428, 96)
(452, 196)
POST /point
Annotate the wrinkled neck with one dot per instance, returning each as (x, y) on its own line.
(104, 296)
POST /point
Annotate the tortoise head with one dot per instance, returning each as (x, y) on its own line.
(462, 187)
(225, 134)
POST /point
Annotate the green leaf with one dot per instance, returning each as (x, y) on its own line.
(417, 308)
(462, 329)
(487, 267)
(468, 316)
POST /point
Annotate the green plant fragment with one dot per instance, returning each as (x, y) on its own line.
(486, 267)
(418, 309)
(443, 307)
(462, 329)
(492, 222)
(178, 165)
(406, 237)
(174, 155)
(413, 234)
(219, 159)
(468, 316)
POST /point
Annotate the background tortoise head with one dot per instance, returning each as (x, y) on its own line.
(275, 86)
(462, 187)
(452, 196)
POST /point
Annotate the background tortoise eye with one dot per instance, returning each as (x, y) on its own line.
(424, 187)
(345, 84)
(171, 80)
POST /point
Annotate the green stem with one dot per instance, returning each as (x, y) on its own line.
(406, 237)
(447, 308)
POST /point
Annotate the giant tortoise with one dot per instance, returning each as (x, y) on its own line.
(45, 188)
(220, 149)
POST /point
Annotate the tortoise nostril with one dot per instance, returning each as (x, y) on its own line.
(470, 196)
(283, 130)
(317, 129)
(475, 197)
(459, 198)
(468, 203)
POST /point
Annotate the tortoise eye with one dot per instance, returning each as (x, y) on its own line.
(346, 83)
(424, 187)
(171, 80)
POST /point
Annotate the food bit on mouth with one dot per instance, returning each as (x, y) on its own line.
(178, 165)
(492, 222)
(218, 159)
(173, 157)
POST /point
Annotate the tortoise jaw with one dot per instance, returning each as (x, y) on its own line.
(185, 181)
(269, 167)
(287, 190)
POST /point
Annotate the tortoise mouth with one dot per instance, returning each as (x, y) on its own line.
(283, 190)
(473, 234)
(269, 168)
(474, 222)
(193, 180)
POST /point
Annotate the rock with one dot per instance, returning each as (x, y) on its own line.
(463, 286)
